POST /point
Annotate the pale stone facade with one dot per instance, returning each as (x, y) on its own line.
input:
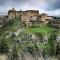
(27, 17)
(43, 17)
(12, 14)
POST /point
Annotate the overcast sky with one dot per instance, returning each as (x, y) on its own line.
(51, 7)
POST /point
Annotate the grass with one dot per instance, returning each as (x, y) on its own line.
(42, 29)
(14, 25)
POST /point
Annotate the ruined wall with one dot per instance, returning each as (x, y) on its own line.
(33, 13)
(43, 17)
(12, 15)
(18, 14)
(27, 15)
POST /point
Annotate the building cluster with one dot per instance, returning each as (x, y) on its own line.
(28, 17)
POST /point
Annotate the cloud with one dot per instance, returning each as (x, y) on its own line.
(56, 4)
(4, 2)
(53, 4)
(5, 5)
(44, 4)
(52, 7)
(54, 12)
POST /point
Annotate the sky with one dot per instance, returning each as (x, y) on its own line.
(51, 7)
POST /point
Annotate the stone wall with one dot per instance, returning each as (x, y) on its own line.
(12, 14)
(26, 16)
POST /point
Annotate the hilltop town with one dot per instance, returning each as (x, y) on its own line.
(29, 35)
(29, 17)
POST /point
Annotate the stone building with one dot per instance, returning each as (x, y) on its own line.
(28, 14)
(12, 14)
(28, 17)
(44, 18)
(25, 16)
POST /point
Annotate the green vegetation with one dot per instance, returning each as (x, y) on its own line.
(12, 25)
(24, 41)
(4, 48)
(42, 29)
(14, 54)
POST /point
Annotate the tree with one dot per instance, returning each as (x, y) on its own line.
(4, 49)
